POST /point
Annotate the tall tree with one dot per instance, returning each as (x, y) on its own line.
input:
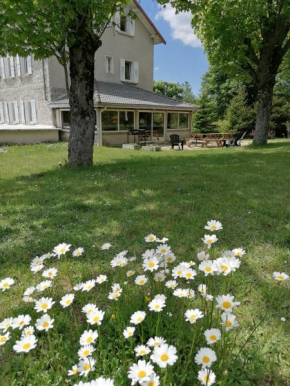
(72, 31)
(175, 90)
(248, 37)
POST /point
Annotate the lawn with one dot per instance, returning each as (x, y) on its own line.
(124, 197)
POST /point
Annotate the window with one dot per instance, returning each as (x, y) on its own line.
(110, 120)
(65, 119)
(172, 121)
(124, 23)
(14, 112)
(183, 121)
(128, 70)
(126, 120)
(11, 67)
(31, 112)
(27, 65)
(109, 65)
(117, 120)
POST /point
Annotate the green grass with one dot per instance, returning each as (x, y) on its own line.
(124, 197)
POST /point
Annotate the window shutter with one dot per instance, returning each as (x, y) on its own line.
(122, 70)
(136, 72)
(132, 27)
(18, 65)
(29, 64)
(15, 106)
(1, 113)
(33, 111)
(6, 112)
(11, 62)
(117, 21)
(22, 115)
(2, 69)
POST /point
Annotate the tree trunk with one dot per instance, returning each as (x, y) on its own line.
(82, 121)
(265, 99)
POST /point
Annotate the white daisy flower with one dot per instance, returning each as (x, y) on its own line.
(156, 305)
(150, 238)
(171, 284)
(21, 321)
(208, 267)
(6, 324)
(208, 297)
(50, 273)
(239, 252)
(43, 285)
(234, 263)
(106, 246)
(170, 257)
(86, 365)
(37, 268)
(140, 372)
(154, 380)
(101, 279)
(280, 276)
(159, 276)
(226, 303)
(191, 294)
(130, 273)
(28, 331)
(96, 317)
(25, 344)
(44, 323)
(43, 304)
(148, 253)
(88, 285)
(86, 351)
(202, 256)
(73, 371)
(89, 308)
(205, 357)
(163, 249)
(206, 377)
(156, 341)
(116, 288)
(150, 264)
(180, 293)
(229, 321)
(67, 300)
(88, 337)
(28, 299)
(78, 286)
(102, 382)
(192, 316)
(47, 256)
(138, 317)
(213, 225)
(212, 335)
(36, 261)
(228, 254)
(4, 338)
(178, 271)
(128, 332)
(164, 355)
(209, 240)
(141, 280)
(29, 291)
(141, 350)
(114, 295)
(61, 249)
(78, 252)
(222, 266)
(119, 261)
(6, 283)
(189, 273)
(202, 289)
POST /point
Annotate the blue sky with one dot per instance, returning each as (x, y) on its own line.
(182, 59)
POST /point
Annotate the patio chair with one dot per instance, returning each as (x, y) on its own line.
(236, 140)
(175, 141)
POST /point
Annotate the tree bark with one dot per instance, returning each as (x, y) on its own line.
(82, 122)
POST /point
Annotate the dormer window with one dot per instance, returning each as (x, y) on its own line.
(124, 23)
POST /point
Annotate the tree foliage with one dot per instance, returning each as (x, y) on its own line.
(203, 121)
(175, 90)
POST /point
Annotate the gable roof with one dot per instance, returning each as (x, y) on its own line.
(126, 95)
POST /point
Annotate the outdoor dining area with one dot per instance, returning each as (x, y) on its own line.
(216, 139)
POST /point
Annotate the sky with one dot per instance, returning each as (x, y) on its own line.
(182, 58)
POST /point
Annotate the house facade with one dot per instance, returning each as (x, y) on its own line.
(34, 105)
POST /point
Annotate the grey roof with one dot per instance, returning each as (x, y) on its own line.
(116, 94)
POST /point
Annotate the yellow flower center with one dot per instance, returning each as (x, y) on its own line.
(228, 323)
(212, 337)
(5, 285)
(87, 367)
(151, 264)
(141, 281)
(68, 302)
(78, 253)
(227, 304)
(238, 253)
(45, 324)
(213, 227)
(205, 378)
(21, 323)
(209, 241)
(151, 384)
(192, 317)
(26, 346)
(75, 372)
(86, 352)
(130, 333)
(159, 278)
(281, 277)
(142, 352)
(151, 238)
(28, 332)
(189, 274)
(208, 269)
(179, 272)
(163, 250)
(44, 306)
(164, 357)
(169, 259)
(3, 339)
(140, 319)
(157, 306)
(89, 339)
(224, 268)
(130, 273)
(142, 374)
(96, 319)
(205, 359)
(119, 262)
(62, 250)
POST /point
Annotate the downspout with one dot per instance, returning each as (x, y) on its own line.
(44, 81)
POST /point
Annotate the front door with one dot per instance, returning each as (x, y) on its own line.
(153, 123)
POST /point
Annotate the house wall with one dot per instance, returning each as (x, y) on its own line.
(22, 137)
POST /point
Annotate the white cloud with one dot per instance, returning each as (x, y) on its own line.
(180, 25)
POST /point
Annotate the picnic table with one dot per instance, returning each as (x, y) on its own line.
(205, 139)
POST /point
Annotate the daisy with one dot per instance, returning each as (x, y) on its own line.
(61, 249)
(208, 267)
(141, 350)
(156, 305)
(234, 263)
(130, 273)
(191, 294)
(86, 351)
(280, 276)
(28, 331)
(25, 344)
(206, 377)
(29, 291)
(28, 299)
(138, 317)
(178, 271)
(202, 288)
(156, 341)
(67, 300)
(191, 316)
(222, 266)
(114, 295)
(213, 225)
(101, 279)
(37, 268)
(140, 372)
(163, 249)
(4, 338)
(170, 257)
(5, 324)
(50, 273)
(119, 261)
(229, 321)
(44, 323)
(159, 276)
(171, 284)
(36, 261)
(6, 283)
(128, 332)
(88, 337)
(102, 382)
(141, 280)
(89, 308)
(47, 256)
(164, 355)
(43, 304)
(181, 293)
(189, 274)
(106, 246)
(73, 371)
(150, 238)
(86, 365)
(96, 317)
(239, 252)
(208, 297)
(209, 240)
(202, 256)
(154, 380)
(226, 303)
(205, 357)
(21, 321)
(150, 264)
(78, 252)
(228, 254)
(78, 286)
(212, 335)
(116, 288)
(43, 285)
(88, 285)
(163, 240)
(148, 253)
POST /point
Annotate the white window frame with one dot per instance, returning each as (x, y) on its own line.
(134, 71)
(118, 111)
(130, 25)
(108, 57)
(178, 113)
